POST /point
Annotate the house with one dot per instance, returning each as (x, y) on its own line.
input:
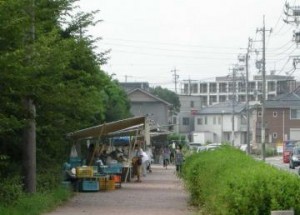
(184, 121)
(282, 119)
(143, 103)
(216, 120)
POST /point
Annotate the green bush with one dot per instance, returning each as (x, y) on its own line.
(227, 181)
(10, 190)
(37, 203)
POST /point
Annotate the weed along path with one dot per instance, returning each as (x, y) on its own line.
(159, 193)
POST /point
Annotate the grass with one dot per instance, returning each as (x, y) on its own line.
(38, 203)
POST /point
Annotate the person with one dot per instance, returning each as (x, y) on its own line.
(137, 162)
(145, 162)
(150, 156)
(178, 159)
(166, 157)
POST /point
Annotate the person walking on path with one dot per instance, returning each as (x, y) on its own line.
(178, 159)
(166, 157)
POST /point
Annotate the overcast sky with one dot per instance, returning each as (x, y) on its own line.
(201, 39)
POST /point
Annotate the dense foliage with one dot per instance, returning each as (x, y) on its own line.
(227, 181)
(168, 96)
(46, 56)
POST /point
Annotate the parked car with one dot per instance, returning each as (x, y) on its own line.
(194, 146)
(208, 147)
(294, 158)
(287, 150)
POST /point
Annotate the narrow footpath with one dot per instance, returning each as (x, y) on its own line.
(160, 193)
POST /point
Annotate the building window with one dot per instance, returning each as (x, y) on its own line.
(203, 88)
(205, 120)
(219, 120)
(259, 114)
(194, 88)
(199, 121)
(222, 98)
(214, 120)
(185, 88)
(185, 121)
(192, 104)
(213, 87)
(295, 113)
(274, 135)
(274, 113)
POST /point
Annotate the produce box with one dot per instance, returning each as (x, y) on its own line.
(113, 169)
(89, 185)
(84, 171)
(75, 162)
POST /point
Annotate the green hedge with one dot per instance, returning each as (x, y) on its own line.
(227, 181)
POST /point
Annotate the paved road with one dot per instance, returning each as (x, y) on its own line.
(277, 161)
(160, 193)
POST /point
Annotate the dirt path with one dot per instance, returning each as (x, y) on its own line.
(160, 193)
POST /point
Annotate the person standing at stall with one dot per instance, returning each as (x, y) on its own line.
(137, 162)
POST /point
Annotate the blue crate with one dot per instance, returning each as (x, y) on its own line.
(75, 162)
(89, 185)
(113, 169)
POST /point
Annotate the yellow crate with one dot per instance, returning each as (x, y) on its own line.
(84, 171)
(111, 184)
(103, 183)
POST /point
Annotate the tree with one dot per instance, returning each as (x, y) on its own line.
(168, 96)
(57, 75)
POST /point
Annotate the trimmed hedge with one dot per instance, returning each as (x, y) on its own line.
(227, 181)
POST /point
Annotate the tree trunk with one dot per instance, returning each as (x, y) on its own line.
(29, 147)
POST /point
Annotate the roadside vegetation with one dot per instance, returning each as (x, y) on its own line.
(35, 204)
(51, 84)
(227, 181)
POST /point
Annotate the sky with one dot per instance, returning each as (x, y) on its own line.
(152, 40)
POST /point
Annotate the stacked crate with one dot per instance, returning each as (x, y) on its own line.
(84, 171)
(89, 185)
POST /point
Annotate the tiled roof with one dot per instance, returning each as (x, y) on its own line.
(284, 101)
(223, 108)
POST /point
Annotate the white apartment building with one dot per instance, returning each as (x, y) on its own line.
(225, 88)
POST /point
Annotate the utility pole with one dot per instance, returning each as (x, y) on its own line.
(175, 78)
(263, 98)
(247, 97)
(233, 104)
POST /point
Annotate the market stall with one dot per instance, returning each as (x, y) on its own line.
(99, 163)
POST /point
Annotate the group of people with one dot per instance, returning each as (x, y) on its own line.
(142, 160)
(169, 157)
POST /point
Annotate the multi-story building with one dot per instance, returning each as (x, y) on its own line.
(282, 119)
(184, 120)
(229, 87)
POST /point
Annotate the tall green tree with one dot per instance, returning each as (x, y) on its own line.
(56, 70)
(168, 96)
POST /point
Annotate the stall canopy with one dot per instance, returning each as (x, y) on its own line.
(107, 129)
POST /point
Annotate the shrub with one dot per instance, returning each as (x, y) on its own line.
(10, 190)
(227, 181)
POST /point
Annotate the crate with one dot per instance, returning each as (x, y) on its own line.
(75, 162)
(89, 185)
(111, 184)
(103, 182)
(84, 171)
(107, 183)
(113, 169)
(117, 179)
